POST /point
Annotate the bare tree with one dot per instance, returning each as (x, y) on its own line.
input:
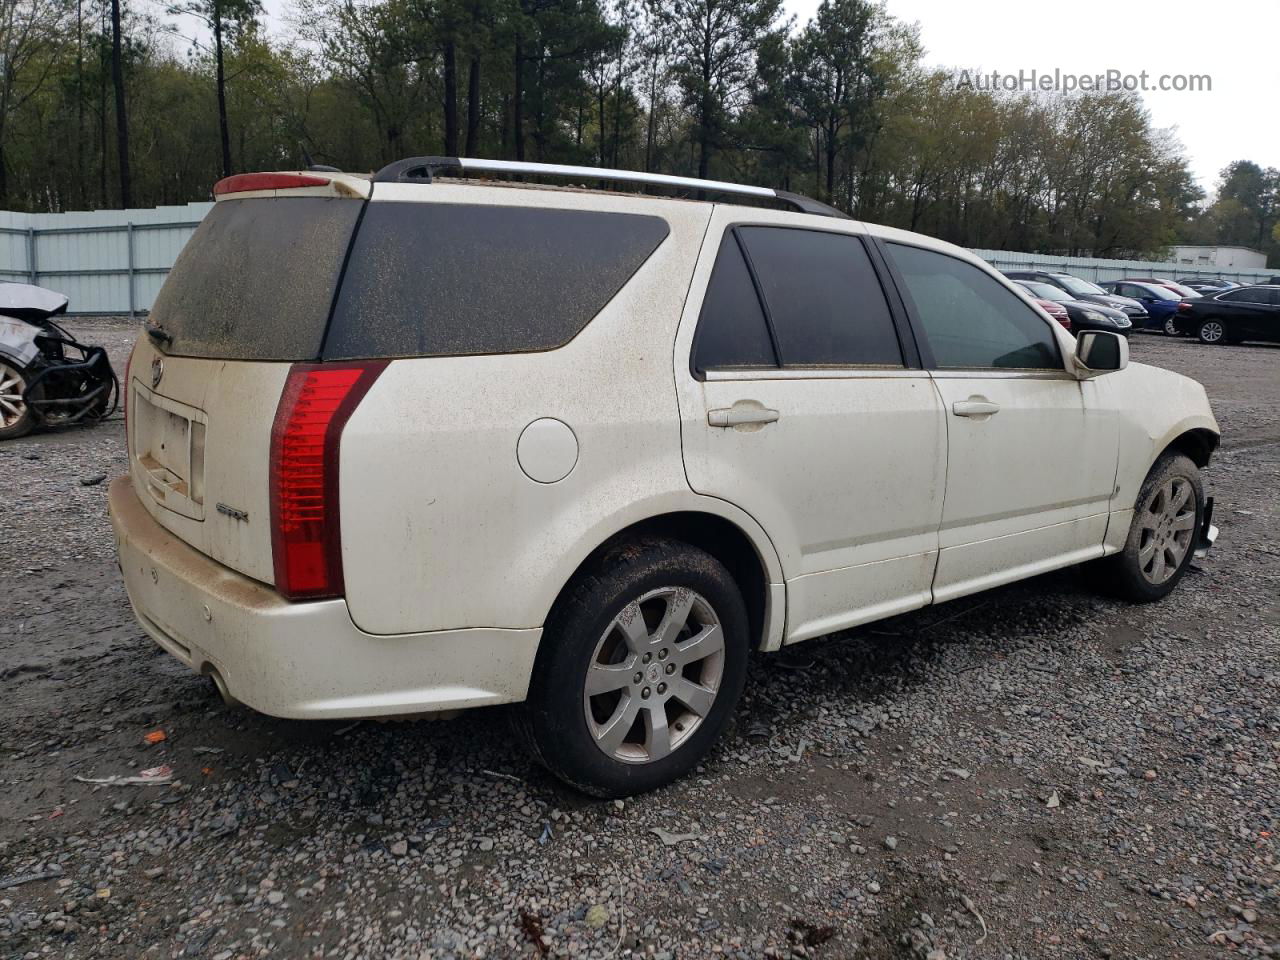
(32, 35)
(713, 44)
(224, 18)
(122, 119)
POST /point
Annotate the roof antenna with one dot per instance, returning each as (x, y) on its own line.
(317, 167)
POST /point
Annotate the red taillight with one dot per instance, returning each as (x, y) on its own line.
(128, 366)
(306, 542)
(1184, 307)
(1065, 321)
(241, 182)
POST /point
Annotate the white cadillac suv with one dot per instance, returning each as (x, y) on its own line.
(411, 443)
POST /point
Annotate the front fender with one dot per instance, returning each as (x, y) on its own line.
(1155, 407)
(18, 342)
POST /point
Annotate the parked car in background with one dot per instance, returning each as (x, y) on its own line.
(48, 377)
(1178, 288)
(1055, 310)
(1052, 307)
(1081, 314)
(1160, 302)
(598, 447)
(1233, 316)
(1210, 284)
(1086, 291)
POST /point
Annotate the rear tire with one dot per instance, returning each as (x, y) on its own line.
(1162, 536)
(16, 418)
(1212, 332)
(641, 665)
(1171, 329)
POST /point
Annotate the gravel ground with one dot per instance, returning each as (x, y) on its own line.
(1033, 772)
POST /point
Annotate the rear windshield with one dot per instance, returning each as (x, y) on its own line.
(447, 279)
(256, 279)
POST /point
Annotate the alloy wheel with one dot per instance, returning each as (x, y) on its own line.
(1211, 331)
(1170, 328)
(654, 675)
(12, 407)
(1168, 524)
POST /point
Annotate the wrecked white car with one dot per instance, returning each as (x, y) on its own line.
(47, 377)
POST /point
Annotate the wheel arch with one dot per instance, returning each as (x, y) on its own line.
(13, 358)
(1198, 444)
(749, 559)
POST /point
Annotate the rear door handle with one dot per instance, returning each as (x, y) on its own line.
(975, 407)
(740, 414)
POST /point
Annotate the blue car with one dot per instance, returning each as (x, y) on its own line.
(1161, 302)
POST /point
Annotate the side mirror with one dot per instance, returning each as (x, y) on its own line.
(1100, 352)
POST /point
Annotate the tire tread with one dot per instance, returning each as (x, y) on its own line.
(578, 605)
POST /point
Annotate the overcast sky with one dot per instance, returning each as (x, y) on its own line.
(1235, 42)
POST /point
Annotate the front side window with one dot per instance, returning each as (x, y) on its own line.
(971, 320)
(823, 298)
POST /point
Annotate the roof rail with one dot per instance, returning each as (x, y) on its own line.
(423, 169)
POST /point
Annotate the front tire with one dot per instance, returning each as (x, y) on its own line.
(641, 664)
(1212, 332)
(1162, 537)
(16, 418)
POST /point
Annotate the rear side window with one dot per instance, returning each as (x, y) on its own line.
(731, 329)
(1251, 295)
(256, 279)
(823, 297)
(435, 279)
(971, 320)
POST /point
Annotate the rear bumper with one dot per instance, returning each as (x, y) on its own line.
(303, 660)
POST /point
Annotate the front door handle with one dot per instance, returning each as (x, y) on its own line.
(740, 414)
(975, 407)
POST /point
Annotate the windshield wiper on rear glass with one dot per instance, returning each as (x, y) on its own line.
(158, 334)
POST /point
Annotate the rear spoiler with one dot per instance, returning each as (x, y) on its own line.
(292, 184)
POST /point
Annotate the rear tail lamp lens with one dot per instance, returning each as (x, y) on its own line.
(128, 370)
(317, 402)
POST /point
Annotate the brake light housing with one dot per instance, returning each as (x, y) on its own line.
(128, 370)
(306, 531)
